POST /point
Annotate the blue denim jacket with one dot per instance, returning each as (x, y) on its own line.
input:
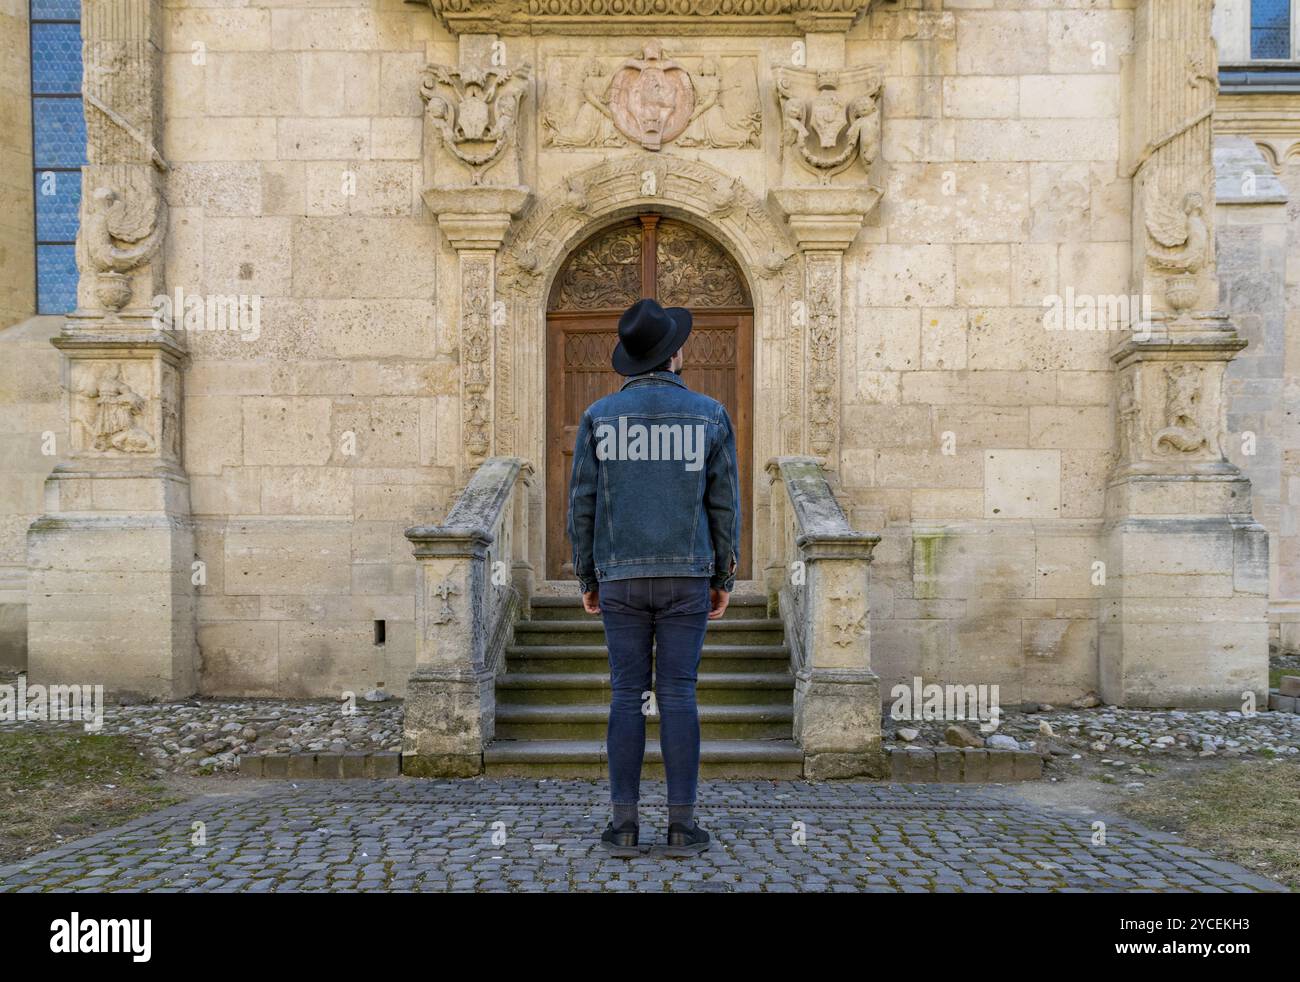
(654, 489)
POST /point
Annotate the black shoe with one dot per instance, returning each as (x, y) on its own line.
(623, 841)
(686, 841)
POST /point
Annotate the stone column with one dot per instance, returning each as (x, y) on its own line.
(112, 559)
(1184, 620)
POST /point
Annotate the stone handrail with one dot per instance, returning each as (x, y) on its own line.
(474, 581)
(817, 580)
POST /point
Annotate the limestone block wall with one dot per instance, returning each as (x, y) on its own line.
(1287, 543)
(1253, 232)
(17, 212)
(33, 430)
(313, 437)
(976, 441)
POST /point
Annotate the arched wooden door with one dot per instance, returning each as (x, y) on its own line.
(679, 266)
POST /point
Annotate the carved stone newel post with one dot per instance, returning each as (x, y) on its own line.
(1184, 621)
(112, 558)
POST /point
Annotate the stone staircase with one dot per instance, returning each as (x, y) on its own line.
(552, 703)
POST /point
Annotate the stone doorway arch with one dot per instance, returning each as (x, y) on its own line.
(722, 209)
(676, 263)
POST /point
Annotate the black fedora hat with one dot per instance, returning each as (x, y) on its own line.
(648, 335)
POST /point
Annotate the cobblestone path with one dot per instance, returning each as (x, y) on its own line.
(524, 835)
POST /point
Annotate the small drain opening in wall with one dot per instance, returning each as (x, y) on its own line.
(381, 631)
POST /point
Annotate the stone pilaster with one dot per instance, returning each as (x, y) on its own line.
(824, 221)
(473, 185)
(1184, 620)
(112, 561)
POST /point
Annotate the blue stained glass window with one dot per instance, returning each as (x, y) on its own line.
(59, 131)
(56, 58)
(1270, 29)
(58, 149)
(58, 201)
(56, 9)
(56, 278)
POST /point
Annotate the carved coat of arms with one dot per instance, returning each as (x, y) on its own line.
(651, 98)
(829, 120)
(474, 110)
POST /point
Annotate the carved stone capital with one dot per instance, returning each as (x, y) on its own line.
(825, 218)
(476, 217)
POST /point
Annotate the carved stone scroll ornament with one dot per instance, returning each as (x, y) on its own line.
(121, 232)
(829, 120)
(474, 111)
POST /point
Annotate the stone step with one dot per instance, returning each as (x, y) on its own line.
(587, 721)
(595, 657)
(713, 688)
(570, 608)
(747, 630)
(719, 759)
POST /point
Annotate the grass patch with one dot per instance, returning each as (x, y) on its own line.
(1246, 813)
(61, 785)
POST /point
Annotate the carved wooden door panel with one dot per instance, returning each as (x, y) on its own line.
(679, 266)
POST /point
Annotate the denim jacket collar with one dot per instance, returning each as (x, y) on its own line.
(672, 377)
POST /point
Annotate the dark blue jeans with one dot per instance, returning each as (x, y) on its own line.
(671, 614)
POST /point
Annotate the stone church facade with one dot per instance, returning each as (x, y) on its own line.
(347, 268)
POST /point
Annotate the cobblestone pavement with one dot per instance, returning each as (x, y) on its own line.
(496, 835)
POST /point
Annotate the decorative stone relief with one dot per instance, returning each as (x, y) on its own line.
(694, 101)
(443, 591)
(110, 412)
(829, 120)
(848, 617)
(823, 329)
(120, 232)
(1183, 432)
(727, 113)
(1180, 245)
(651, 98)
(476, 350)
(472, 114)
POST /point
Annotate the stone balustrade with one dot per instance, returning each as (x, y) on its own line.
(817, 579)
(474, 582)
